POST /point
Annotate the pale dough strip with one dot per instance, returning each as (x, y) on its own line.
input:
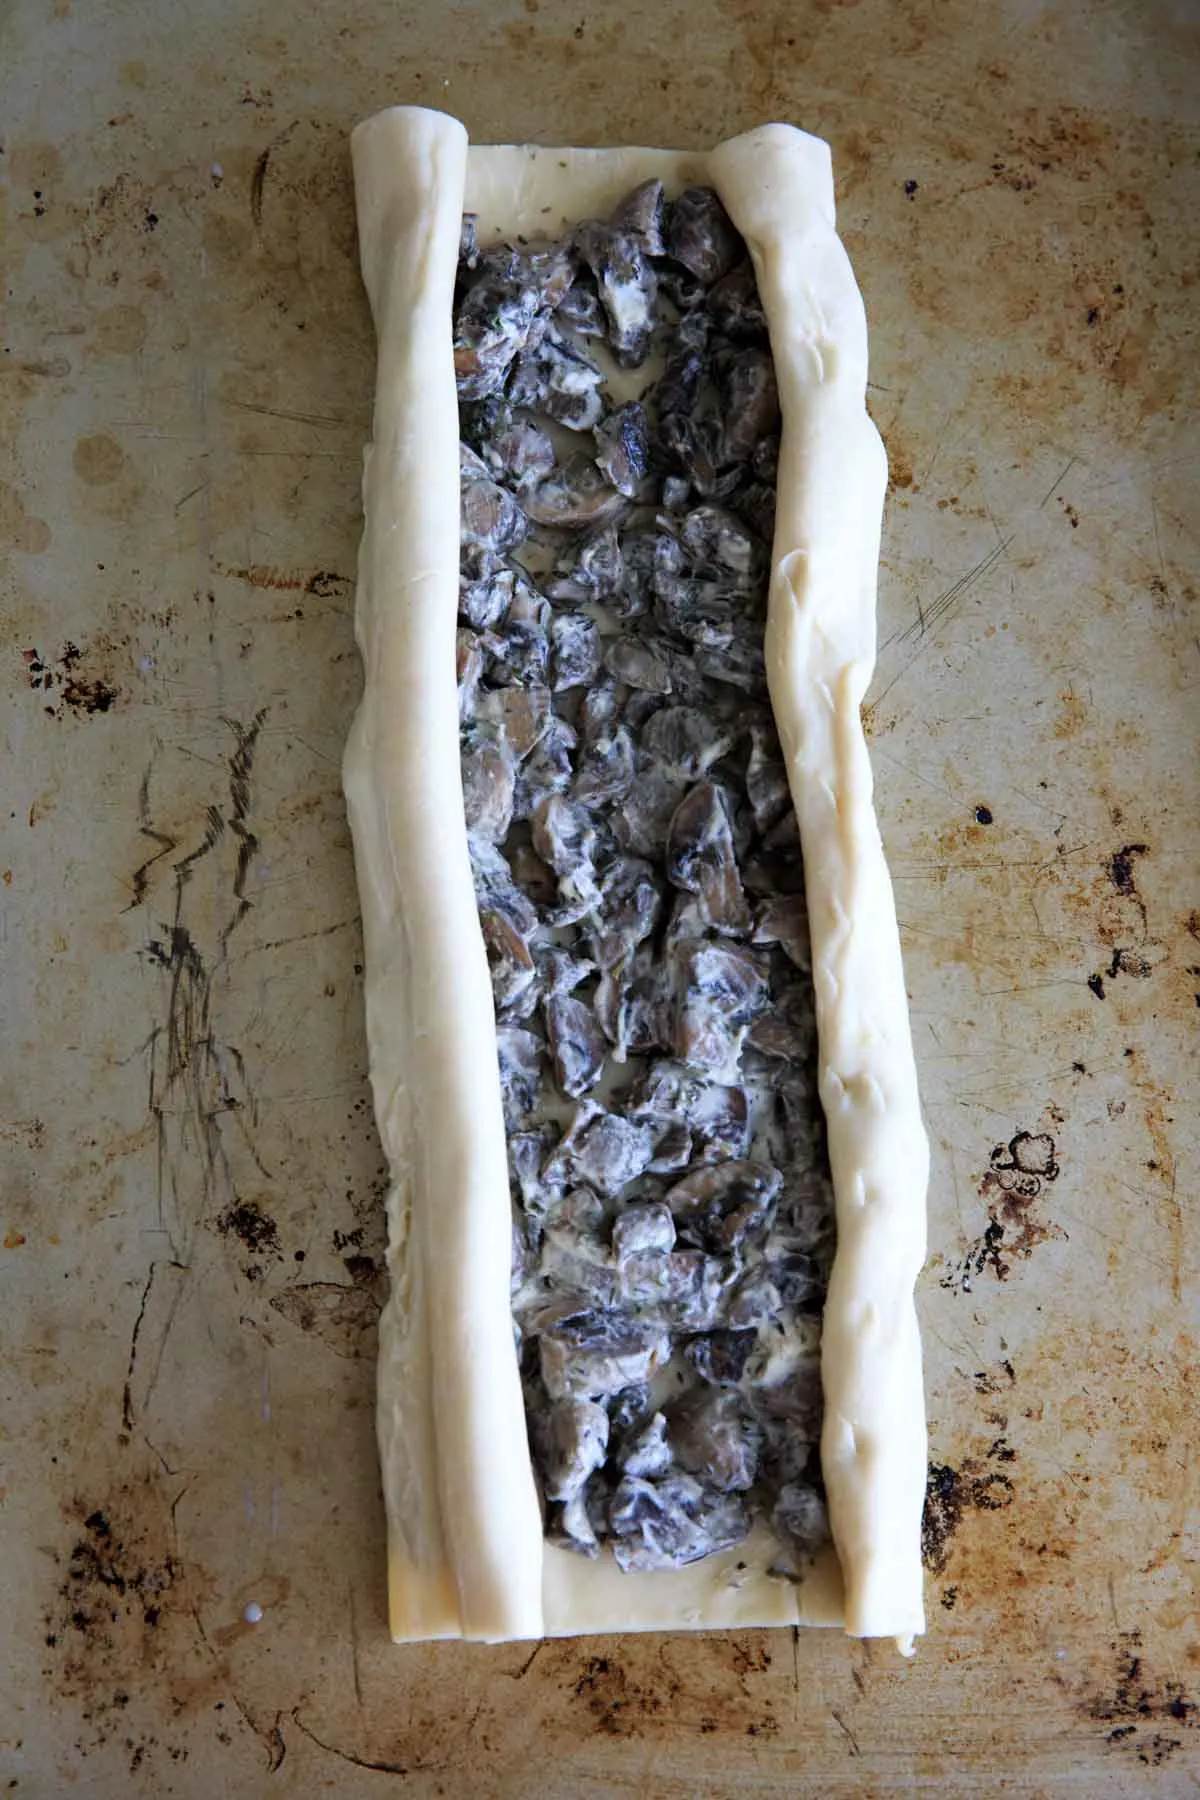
(466, 1556)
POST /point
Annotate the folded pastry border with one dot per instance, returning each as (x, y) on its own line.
(466, 1555)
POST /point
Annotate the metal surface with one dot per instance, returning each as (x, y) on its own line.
(191, 1185)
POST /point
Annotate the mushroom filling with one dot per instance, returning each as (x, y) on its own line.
(639, 880)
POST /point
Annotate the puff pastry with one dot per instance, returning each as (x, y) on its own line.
(466, 1552)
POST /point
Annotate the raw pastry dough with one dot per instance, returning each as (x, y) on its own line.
(465, 1549)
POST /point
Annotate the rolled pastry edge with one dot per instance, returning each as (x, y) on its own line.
(467, 1558)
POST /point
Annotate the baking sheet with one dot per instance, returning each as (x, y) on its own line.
(191, 1220)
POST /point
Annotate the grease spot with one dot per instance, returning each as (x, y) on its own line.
(19, 530)
(98, 460)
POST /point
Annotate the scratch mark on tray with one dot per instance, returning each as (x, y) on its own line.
(847, 1733)
(1054, 487)
(257, 182)
(380, 1766)
(127, 1394)
(270, 1737)
(939, 612)
(293, 413)
(950, 597)
(195, 1079)
(166, 843)
(241, 766)
(358, 1699)
(298, 937)
(522, 1672)
(259, 177)
(190, 495)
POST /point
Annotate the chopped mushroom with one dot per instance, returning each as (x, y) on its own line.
(648, 1453)
(623, 447)
(575, 642)
(701, 859)
(520, 1056)
(575, 494)
(640, 885)
(714, 1436)
(595, 1353)
(701, 235)
(640, 1228)
(557, 379)
(578, 1445)
(718, 992)
(640, 216)
(723, 1206)
(577, 1044)
(512, 294)
(627, 285)
(669, 1523)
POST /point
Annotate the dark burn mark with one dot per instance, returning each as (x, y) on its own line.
(986, 1382)
(113, 1585)
(1130, 962)
(1017, 1177)
(950, 1494)
(1129, 957)
(1143, 1713)
(77, 691)
(645, 1692)
(256, 1229)
(1120, 867)
(362, 1270)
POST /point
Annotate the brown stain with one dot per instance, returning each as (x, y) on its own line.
(1072, 716)
(76, 682)
(1070, 1472)
(321, 582)
(98, 460)
(1148, 1715)
(980, 1484)
(1016, 1179)
(20, 530)
(34, 165)
(1163, 1169)
(125, 1621)
(1057, 212)
(117, 331)
(1122, 923)
(655, 1687)
(113, 237)
(227, 238)
(900, 464)
(1053, 912)
(340, 1317)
